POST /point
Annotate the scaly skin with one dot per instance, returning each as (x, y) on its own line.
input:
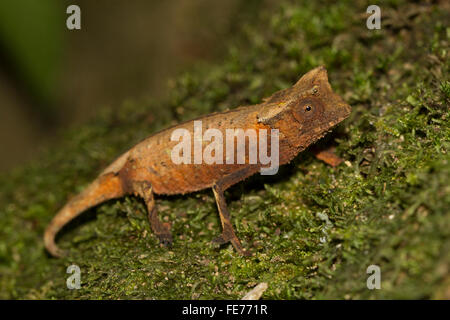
(302, 114)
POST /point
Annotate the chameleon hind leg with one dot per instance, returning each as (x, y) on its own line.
(228, 234)
(160, 229)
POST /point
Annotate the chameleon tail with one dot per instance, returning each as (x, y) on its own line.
(107, 186)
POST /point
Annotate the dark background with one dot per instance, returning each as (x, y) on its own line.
(52, 77)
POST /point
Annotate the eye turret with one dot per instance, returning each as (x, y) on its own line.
(307, 109)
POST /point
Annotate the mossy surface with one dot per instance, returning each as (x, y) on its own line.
(313, 229)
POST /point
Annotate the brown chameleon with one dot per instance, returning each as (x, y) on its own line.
(302, 114)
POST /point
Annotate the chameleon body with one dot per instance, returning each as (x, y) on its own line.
(302, 114)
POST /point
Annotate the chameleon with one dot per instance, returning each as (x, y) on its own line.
(301, 114)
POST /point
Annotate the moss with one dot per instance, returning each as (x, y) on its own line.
(313, 229)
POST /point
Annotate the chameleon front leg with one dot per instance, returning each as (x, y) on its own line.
(228, 234)
(327, 155)
(161, 230)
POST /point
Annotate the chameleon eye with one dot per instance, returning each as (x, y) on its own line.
(308, 108)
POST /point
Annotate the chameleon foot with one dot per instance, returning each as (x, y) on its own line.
(219, 240)
(165, 239)
(222, 239)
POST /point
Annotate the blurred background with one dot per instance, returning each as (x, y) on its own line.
(52, 77)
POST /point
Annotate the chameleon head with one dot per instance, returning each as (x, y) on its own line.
(315, 106)
(306, 111)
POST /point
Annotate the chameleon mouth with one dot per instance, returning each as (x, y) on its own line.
(323, 128)
(344, 112)
(328, 126)
(336, 121)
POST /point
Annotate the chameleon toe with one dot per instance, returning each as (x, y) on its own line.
(219, 240)
(165, 239)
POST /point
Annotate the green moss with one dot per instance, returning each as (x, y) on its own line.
(313, 229)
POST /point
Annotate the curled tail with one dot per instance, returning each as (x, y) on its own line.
(107, 186)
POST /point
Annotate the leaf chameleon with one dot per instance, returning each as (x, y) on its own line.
(302, 114)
